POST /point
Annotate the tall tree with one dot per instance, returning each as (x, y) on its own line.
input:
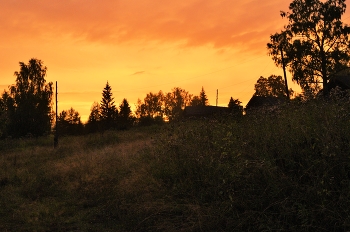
(314, 44)
(201, 100)
(151, 109)
(203, 97)
(29, 101)
(175, 102)
(94, 118)
(195, 101)
(109, 111)
(125, 119)
(69, 122)
(235, 107)
(273, 86)
(140, 109)
(151, 106)
(124, 109)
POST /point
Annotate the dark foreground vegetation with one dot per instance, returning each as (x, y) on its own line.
(286, 169)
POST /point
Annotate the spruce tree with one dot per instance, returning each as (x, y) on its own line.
(125, 119)
(94, 118)
(203, 98)
(108, 110)
(124, 108)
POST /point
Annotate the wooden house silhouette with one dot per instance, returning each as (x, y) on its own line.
(204, 111)
(257, 102)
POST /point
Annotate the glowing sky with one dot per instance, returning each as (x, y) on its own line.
(141, 46)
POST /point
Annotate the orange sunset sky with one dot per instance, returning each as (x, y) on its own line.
(142, 46)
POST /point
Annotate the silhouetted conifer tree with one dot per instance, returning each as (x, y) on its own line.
(93, 122)
(125, 119)
(203, 97)
(109, 112)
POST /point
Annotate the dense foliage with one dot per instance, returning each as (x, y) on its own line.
(280, 169)
(69, 123)
(273, 86)
(26, 107)
(170, 106)
(200, 100)
(315, 42)
(235, 107)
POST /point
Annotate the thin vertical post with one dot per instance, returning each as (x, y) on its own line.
(55, 140)
(217, 97)
(285, 75)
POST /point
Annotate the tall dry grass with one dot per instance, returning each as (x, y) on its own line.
(285, 169)
(282, 170)
(81, 185)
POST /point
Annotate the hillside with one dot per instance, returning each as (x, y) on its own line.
(286, 169)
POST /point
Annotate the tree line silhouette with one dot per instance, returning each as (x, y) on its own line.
(314, 46)
(26, 108)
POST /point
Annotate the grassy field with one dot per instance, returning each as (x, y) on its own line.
(281, 170)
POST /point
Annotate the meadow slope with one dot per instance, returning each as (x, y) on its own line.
(286, 169)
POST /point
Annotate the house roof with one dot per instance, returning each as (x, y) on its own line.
(204, 110)
(258, 101)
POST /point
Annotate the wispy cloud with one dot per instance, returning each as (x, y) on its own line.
(138, 73)
(193, 22)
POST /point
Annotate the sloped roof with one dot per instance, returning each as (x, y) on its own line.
(258, 101)
(198, 111)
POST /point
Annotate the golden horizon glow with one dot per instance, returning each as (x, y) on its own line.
(141, 46)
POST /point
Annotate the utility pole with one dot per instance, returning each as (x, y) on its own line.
(55, 140)
(217, 97)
